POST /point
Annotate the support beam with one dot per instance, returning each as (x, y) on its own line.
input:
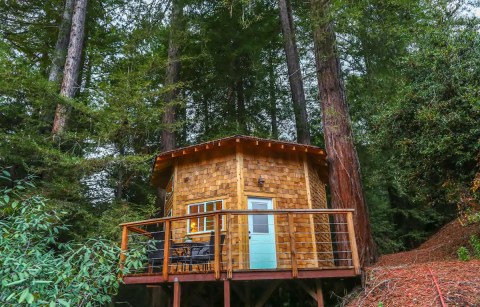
(311, 292)
(267, 293)
(318, 286)
(166, 251)
(353, 243)
(293, 251)
(226, 293)
(177, 294)
(216, 226)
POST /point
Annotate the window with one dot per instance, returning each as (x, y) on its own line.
(203, 224)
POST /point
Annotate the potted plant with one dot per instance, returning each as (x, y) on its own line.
(187, 239)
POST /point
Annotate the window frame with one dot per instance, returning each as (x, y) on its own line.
(204, 203)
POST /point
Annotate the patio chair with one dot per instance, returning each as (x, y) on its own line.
(156, 248)
(204, 254)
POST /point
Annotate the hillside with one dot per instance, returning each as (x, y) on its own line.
(425, 276)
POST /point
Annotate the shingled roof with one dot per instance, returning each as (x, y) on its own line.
(163, 161)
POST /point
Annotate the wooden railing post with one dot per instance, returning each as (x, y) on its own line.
(293, 251)
(217, 246)
(353, 243)
(229, 249)
(123, 248)
(166, 251)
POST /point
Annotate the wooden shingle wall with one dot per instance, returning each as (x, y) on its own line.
(321, 223)
(215, 174)
(284, 177)
(206, 176)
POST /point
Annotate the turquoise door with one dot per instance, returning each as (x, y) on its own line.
(261, 231)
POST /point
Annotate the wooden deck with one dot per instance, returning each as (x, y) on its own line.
(309, 244)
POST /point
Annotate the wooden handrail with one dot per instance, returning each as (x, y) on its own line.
(237, 212)
(289, 214)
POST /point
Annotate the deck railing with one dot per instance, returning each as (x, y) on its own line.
(309, 239)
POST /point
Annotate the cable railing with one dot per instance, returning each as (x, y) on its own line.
(241, 240)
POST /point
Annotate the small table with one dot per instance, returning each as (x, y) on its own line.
(185, 249)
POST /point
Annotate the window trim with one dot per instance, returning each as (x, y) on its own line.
(204, 203)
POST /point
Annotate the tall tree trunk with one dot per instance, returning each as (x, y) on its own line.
(72, 66)
(242, 124)
(58, 59)
(60, 53)
(172, 77)
(294, 73)
(239, 90)
(344, 167)
(272, 96)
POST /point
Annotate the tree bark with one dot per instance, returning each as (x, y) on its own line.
(294, 73)
(60, 53)
(172, 77)
(239, 90)
(72, 66)
(272, 96)
(344, 167)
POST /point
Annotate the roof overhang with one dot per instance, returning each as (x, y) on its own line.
(163, 163)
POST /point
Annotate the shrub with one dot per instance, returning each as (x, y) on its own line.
(475, 243)
(36, 269)
(463, 253)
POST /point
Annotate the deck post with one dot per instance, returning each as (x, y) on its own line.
(293, 251)
(123, 247)
(166, 250)
(353, 242)
(229, 249)
(217, 246)
(318, 286)
(177, 294)
(226, 293)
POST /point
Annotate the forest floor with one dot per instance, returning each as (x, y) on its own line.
(425, 276)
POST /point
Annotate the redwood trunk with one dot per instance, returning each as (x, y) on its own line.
(272, 96)
(172, 77)
(344, 168)
(239, 89)
(60, 53)
(72, 66)
(294, 73)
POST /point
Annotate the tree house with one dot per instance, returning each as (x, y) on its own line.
(242, 208)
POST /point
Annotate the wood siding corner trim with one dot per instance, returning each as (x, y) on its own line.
(240, 204)
(175, 186)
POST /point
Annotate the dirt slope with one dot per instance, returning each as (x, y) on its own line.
(426, 275)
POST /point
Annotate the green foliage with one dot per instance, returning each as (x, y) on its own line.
(36, 269)
(475, 243)
(463, 254)
(412, 77)
(411, 81)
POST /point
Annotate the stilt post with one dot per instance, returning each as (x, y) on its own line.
(177, 293)
(226, 293)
